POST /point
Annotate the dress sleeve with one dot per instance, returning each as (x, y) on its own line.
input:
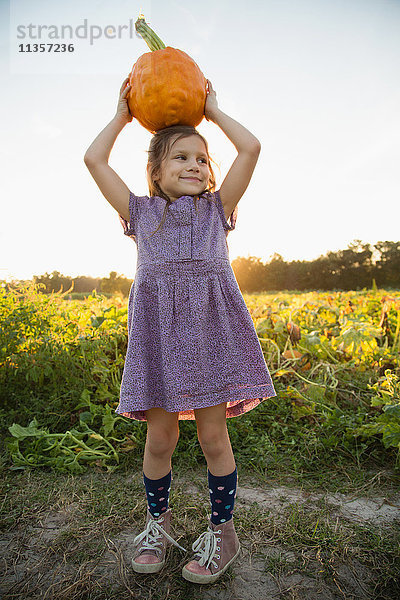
(130, 228)
(231, 222)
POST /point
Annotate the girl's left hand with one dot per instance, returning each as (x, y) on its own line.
(211, 104)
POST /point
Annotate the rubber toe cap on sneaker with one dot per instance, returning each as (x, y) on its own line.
(147, 559)
(194, 567)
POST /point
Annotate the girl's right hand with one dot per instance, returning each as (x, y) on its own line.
(123, 111)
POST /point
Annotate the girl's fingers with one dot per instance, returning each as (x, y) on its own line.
(210, 87)
(125, 89)
(124, 84)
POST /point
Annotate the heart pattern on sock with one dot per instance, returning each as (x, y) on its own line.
(222, 496)
(157, 492)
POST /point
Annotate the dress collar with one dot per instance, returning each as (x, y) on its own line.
(205, 195)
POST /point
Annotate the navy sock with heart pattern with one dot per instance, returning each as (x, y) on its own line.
(222, 496)
(157, 492)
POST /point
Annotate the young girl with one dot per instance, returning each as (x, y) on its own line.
(193, 352)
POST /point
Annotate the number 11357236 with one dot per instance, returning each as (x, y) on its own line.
(46, 48)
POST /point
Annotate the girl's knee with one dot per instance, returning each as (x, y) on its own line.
(162, 438)
(213, 439)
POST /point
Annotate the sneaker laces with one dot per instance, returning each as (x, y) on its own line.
(150, 537)
(205, 547)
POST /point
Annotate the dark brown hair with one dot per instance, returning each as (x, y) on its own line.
(160, 145)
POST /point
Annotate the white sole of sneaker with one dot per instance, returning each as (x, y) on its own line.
(196, 578)
(149, 568)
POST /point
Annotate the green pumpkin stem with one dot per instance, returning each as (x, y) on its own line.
(151, 38)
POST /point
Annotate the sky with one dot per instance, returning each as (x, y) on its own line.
(316, 81)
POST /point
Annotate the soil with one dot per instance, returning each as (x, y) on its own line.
(25, 554)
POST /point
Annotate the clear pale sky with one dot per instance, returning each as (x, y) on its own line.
(317, 81)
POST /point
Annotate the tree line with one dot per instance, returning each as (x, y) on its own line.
(356, 267)
(359, 266)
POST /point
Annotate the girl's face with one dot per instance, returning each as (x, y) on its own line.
(184, 171)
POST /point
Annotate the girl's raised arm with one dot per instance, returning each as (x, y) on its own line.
(247, 145)
(96, 157)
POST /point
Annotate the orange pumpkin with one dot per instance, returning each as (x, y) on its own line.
(167, 86)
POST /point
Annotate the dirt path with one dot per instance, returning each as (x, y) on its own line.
(252, 582)
(273, 567)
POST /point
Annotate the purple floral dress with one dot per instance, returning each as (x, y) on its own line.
(191, 339)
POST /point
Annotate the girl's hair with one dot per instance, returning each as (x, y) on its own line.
(160, 145)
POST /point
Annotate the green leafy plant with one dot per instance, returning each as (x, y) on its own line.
(75, 449)
(387, 422)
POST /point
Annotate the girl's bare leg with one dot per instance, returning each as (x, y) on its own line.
(161, 440)
(214, 439)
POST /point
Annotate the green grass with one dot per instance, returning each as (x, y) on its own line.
(97, 510)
